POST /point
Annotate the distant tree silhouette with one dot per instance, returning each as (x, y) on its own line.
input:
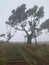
(7, 35)
(2, 35)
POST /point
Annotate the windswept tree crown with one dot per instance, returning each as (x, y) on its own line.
(20, 17)
(26, 20)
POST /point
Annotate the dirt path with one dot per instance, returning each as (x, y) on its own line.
(38, 59)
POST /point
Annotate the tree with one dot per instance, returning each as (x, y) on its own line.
(45, 25)
(26, 20)
(8, 35)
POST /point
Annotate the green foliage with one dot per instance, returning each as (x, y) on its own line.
(32, 11)
(21, 14)
(45, 25)
(40, 12)
(18, 15)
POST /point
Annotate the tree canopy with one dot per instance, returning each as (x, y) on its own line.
(45, 25)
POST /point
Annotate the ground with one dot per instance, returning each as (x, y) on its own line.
(23, 54)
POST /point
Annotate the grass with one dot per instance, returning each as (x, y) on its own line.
(12, 52)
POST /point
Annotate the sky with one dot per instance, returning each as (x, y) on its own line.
(6, 7)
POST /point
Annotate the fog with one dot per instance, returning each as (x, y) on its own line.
(6, 7)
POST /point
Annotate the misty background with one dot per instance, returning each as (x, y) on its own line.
(6, 7)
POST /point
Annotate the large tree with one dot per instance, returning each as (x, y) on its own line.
(26, 20)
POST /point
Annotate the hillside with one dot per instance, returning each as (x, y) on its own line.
(23, 54)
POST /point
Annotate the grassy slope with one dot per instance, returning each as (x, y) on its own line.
(10, 52)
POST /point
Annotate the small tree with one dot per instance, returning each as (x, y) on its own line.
(26, 20)
(8, 35)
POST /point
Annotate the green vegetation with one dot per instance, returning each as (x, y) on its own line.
(13, 53)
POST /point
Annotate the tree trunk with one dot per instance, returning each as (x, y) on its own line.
(29, 38)
(35, 38)
(35, 42)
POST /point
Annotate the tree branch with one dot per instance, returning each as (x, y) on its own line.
(24, 30)
(18, 29)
